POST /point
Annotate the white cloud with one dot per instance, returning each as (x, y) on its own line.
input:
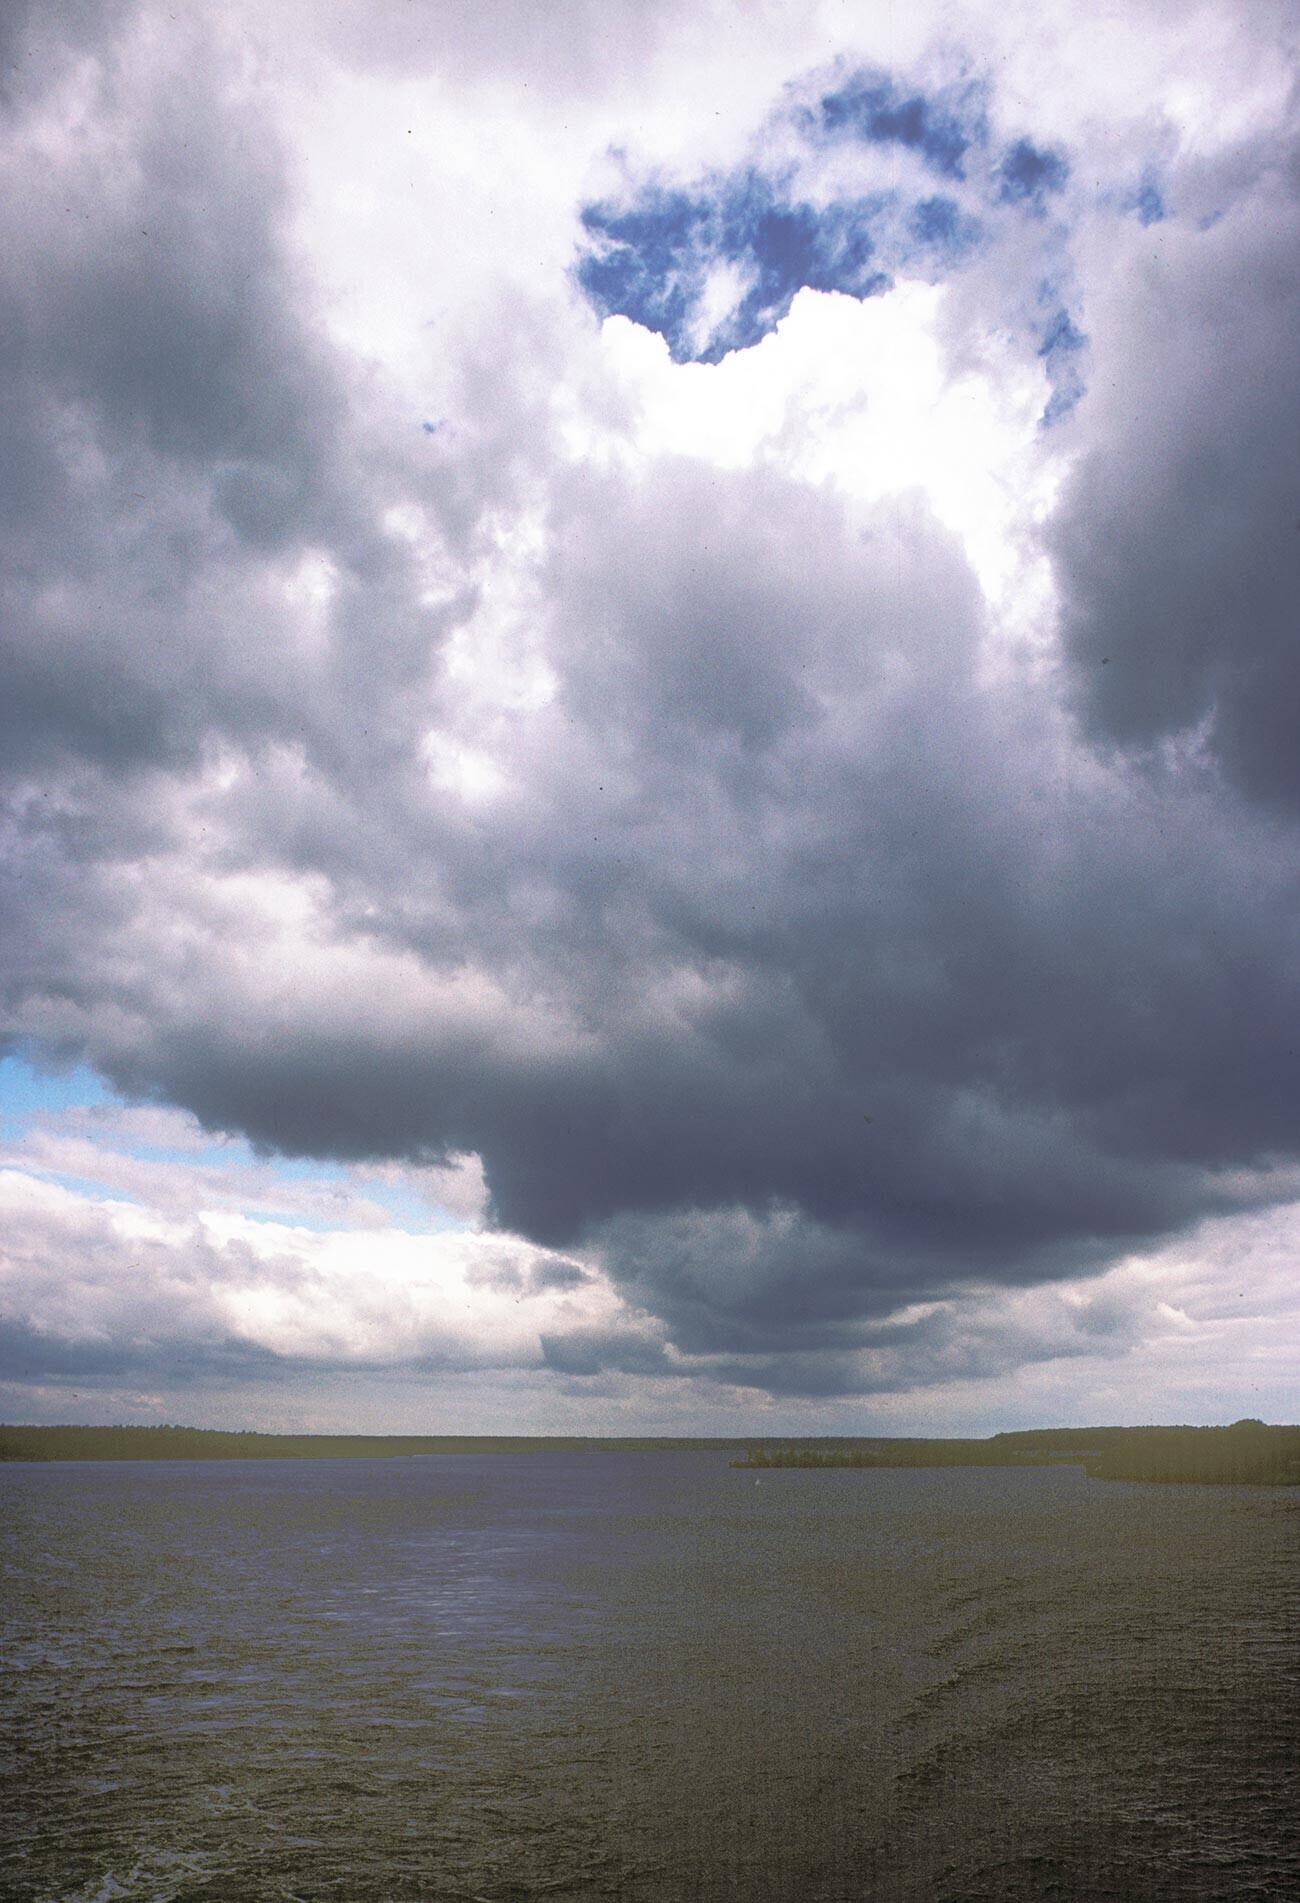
(139, 1287)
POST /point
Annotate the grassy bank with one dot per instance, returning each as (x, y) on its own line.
(201, 1443)
(1246, 1454)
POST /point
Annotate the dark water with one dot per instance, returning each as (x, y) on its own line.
(644, 1676)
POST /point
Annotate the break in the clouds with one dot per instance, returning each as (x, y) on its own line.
(855, 181)
(646, 720)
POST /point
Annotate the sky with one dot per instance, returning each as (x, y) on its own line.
(648, 715)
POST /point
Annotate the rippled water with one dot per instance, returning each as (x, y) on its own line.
(644, 1676)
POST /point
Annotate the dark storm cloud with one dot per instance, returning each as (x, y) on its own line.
(549, 1273)
(802, 965)
(951, 1343)
(596, 1351)
(170, 427)
(1178, 541)
(35, 1355)
(796, 912)
(38, 39)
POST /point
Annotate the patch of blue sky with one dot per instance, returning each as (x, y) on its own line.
(645, 261)
(940, 127)
(1028, 175)
(713, 265)
(26, 1089)
(657, 260)
(29, 1090)
(1061, 349)
(941, 231)
(1147, 203)
(787, 248)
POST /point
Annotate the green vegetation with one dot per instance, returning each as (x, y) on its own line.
(202, 1443)
(890, 1453)
(1246, 1454)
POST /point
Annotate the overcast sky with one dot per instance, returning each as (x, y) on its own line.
(650, 709)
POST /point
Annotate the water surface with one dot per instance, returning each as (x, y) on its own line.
(644, 1676)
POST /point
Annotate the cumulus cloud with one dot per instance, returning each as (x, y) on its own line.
(152, 1312)
(115, 1289)
(1178, 538)
(726, 724)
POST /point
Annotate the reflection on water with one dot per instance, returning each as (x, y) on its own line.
(644, 1676)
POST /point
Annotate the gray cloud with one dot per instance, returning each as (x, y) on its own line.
(1178, 540)
(601, 1351)
(39, 39)
(32, 1355)
(175, 432)
(967, 1342)
(800, 965)
(576, 45)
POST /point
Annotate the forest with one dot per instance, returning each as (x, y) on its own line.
(1246, 1453)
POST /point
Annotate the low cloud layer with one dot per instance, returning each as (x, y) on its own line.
(118, 1307)
(766, 789)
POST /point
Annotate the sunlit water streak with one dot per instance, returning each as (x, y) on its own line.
(644, 1676)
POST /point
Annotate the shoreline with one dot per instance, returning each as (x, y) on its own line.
(1247, 1453)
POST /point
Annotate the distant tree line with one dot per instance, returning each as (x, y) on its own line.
(1246, 1454)
(205, 1443)
(899, 1453)
(189, 1443)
